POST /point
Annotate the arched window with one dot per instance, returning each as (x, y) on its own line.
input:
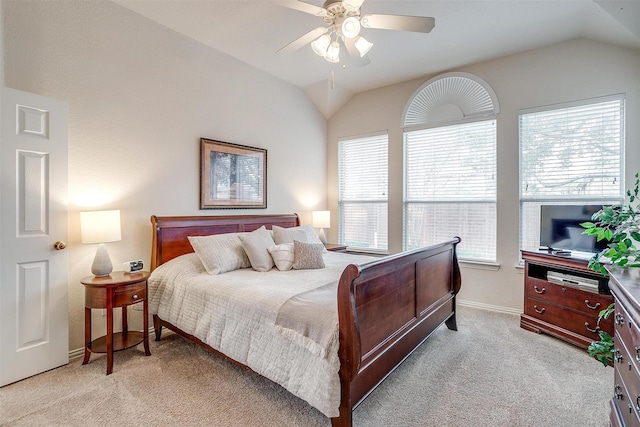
(450, 165)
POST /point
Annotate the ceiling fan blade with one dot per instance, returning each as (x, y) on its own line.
(354, 55)
(420, 24)
(301, 41)
(303, 7)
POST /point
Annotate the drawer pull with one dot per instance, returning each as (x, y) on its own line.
(592, 307)
(537, 291)
(539, 310)
(616, 392)
(617, 356)
(594, 330)
(619, 319)
(135, 296)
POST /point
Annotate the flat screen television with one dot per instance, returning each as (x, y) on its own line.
(560, 228)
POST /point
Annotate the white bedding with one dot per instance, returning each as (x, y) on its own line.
(235, 313)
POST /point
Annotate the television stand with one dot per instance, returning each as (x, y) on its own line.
(563, 297)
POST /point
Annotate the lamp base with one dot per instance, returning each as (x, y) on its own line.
(101, 263)
(322, 237)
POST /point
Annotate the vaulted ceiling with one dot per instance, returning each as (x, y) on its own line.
(466, 32)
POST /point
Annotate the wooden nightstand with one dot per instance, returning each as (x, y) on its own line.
(119, 289)
(333, 247)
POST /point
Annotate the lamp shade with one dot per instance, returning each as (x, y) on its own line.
(321, 219)
(363, 45)
(333, 52)
(100, 226)
(320, 45)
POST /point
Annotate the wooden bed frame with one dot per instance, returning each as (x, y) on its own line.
(386, 308)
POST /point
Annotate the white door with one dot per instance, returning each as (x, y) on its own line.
(34, 324)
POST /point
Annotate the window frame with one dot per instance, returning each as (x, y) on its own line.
(608, 199)
(362, 201)
(443, 201)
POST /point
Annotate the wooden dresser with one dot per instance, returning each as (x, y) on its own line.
(625, 404)
(564, 309)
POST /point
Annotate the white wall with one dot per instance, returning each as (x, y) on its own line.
(140, 97)
(574, 70)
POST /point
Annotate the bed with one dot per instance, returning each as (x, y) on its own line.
(386, 307)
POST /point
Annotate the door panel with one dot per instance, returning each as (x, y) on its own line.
(34, 326)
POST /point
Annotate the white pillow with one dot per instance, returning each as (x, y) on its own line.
(282, 256)
(255, 244)
(303, 233)
(307, 255)
(220, 253)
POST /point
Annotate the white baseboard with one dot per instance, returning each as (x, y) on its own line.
(497, 308)
(76, 354)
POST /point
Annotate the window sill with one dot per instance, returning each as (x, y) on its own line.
(480, 265)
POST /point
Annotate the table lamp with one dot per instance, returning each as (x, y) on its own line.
(100, 227)
(321, 220)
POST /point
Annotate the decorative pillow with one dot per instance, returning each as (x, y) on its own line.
(307, 255)
(220, 253)
(282, 256)
(303, 233)
(255, 244)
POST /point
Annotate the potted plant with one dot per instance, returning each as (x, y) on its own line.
(620, 227)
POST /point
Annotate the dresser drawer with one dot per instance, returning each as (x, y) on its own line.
(589, 303)
(130, 294)
(628, 332)
(627, 370)
(624, 401)
(579, 323)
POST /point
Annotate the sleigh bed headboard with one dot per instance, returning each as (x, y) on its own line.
(170, 232)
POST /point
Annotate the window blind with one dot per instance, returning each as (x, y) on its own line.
(450, 187)
(569, 154)
(363, 192)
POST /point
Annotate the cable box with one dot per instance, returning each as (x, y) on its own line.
(574, 281)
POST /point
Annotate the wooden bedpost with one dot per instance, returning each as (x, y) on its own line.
(456, 283)
(349, 350)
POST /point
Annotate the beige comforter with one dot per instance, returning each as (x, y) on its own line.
(258, 320)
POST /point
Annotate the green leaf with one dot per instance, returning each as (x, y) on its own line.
(608, 234)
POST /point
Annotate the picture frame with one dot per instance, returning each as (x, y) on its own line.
(232, 176)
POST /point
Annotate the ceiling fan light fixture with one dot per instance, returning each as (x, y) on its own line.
(333, 52)
(363, 45)
(350, 27)
(321, 44)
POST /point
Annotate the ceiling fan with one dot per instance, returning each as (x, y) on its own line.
(344, 21)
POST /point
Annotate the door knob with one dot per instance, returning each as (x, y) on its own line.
(59, 245)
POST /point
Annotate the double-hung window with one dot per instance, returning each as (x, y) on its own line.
(450, 187)
(569, 154)
(363, 192)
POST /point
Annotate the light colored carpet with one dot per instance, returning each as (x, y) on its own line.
(488, 373)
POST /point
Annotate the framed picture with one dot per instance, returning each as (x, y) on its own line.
(232, 176)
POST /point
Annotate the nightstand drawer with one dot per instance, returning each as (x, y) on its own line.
(127, 295)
